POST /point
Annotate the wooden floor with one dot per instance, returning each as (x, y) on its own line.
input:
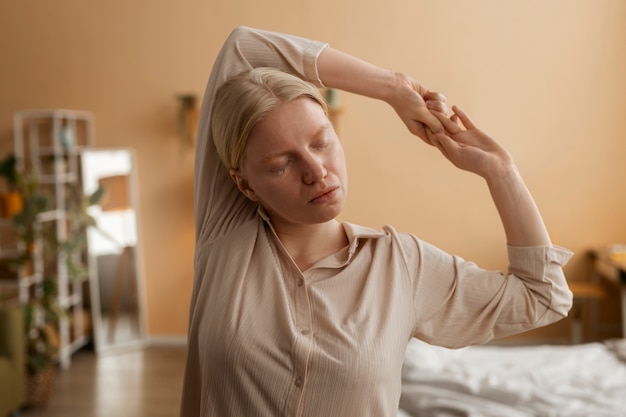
(138, 383)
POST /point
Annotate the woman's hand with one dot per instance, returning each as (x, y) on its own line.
(415, 105)
(469, 148)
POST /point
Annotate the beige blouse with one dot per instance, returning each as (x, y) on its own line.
(266, 339)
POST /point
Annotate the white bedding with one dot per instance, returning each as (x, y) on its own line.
(587, 380)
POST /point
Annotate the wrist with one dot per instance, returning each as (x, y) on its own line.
(505, 177)
(386, 85)
(396, 87)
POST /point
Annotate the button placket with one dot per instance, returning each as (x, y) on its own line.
(302, 346)
(297, 297)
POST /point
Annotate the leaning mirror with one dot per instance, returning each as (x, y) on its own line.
(114, 249)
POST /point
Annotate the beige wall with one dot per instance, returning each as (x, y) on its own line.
(545, 77)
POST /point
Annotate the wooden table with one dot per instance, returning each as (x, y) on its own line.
(613, 270)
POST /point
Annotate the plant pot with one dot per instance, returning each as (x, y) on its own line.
(39, 387)
(11, 203)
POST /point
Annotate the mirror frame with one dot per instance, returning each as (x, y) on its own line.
(99, 333)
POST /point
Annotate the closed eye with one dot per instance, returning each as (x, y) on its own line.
(321, 145)
(280, 169)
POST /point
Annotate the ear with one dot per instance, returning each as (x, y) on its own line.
(243, 185)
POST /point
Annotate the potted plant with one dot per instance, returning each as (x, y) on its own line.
(42, 314)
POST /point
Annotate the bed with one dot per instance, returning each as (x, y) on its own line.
(586, 380)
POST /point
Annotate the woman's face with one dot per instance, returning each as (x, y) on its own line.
(294, 165)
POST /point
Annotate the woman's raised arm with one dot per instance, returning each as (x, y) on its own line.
(411, 100)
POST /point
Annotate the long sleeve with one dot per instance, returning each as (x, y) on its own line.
(458, 304)
(219, 206)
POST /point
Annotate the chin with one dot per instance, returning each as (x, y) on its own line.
(331, 213)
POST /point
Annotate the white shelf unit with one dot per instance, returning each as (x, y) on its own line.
(48, 145)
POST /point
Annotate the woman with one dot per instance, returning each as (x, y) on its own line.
(294, 313)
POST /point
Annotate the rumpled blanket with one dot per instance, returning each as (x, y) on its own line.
(618, 346)
(517, 381)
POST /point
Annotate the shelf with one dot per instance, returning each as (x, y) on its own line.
(48, 151)
(66, 178)
(48, 143)
(54, 113)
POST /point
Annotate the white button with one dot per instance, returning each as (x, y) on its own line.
(298, 382)
(300, 282)
(305, 332)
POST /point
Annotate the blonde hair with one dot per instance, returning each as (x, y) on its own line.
(244, 100)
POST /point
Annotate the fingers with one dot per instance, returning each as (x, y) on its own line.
(436, 101)
(432, 122)
(448, 124)
(433, 139)
(442, 142)
(437, 106)
(419, 130)
(434, 95)
(451, 124)
(463, 117)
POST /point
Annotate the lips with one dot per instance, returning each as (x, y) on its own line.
(324, 195)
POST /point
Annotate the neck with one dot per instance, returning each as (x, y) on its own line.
(307, 244)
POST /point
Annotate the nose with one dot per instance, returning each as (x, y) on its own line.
(313, 169)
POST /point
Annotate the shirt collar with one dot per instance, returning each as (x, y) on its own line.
(354, 232)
